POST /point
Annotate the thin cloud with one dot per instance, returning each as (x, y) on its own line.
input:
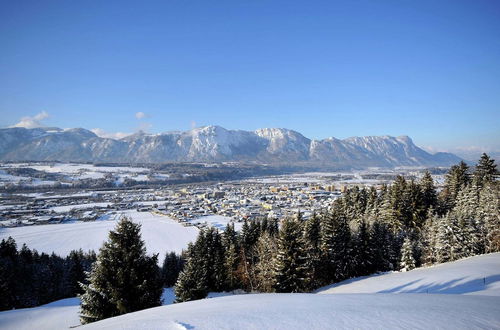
(140, 115)
(102, 133)
(32, 122)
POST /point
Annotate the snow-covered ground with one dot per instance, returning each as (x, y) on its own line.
(73, 172)
(217, 221)
(160, 233)
(61, 314)
(459, 301)
(67, 208)
(479, 275)
(27, 181)
(312, 311)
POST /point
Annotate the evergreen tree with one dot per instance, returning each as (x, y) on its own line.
(472, 226)
(336, 245)
(232, 252)
(381, 238)
(205, 269)
(489, 212)
(407, 261)
(429, 239)
(76, 269)
(444, 240)
(266, 249)
(124, 279)
(192, 281)
(429, 196)
(312, 239)
(456, 179)
(8, 266)
(172, 266)
(363, 252)
(215, 261)
(388, 215)
(486, 170)
(290, 272)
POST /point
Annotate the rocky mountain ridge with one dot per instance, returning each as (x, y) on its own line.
(215, 144)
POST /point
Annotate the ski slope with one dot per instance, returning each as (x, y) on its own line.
(457, 300)
(161, 234)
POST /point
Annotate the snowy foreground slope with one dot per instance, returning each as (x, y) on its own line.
(460, 299)
(312, 311)
(478, 275)
(160, 233)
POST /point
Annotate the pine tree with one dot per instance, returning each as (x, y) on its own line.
(123, 279)
(266, 249)
(172, 266)
(8, 266)
(192, 281)
(290, 272)
(381, 240)
(472, 226)
(214, 261)
(486, 170)
(429, 196)
(444, 240)
(76, 272)
(312, 239)
(230, 243)
(388, 215)
(363, 252)
(336, 245)
(456, 179)
(489, 212)
(407, 261)
(429, 239)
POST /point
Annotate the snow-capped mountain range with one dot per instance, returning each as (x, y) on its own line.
(214, 144)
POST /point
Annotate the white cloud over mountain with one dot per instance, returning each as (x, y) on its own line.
(32, 122)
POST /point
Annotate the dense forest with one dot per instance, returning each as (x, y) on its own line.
(394, 228)
(29, 278)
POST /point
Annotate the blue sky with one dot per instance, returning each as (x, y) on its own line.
(427, 69)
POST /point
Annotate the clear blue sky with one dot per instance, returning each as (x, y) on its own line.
(427, 69)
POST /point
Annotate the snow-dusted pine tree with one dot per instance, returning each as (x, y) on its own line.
(266, 249)
(407, 261)
(123, 279)
(290, 271)
(489, 211)
(444, 240)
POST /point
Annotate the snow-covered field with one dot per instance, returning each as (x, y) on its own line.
(73, 172)
(459, 301)
(67, 208)
(217, 221)
(160, 233)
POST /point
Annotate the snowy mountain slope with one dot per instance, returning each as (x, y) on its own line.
(479, 275)
(466, 305)
(160, 233)
(214, 144)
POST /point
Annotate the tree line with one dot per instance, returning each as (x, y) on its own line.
(29, 278)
